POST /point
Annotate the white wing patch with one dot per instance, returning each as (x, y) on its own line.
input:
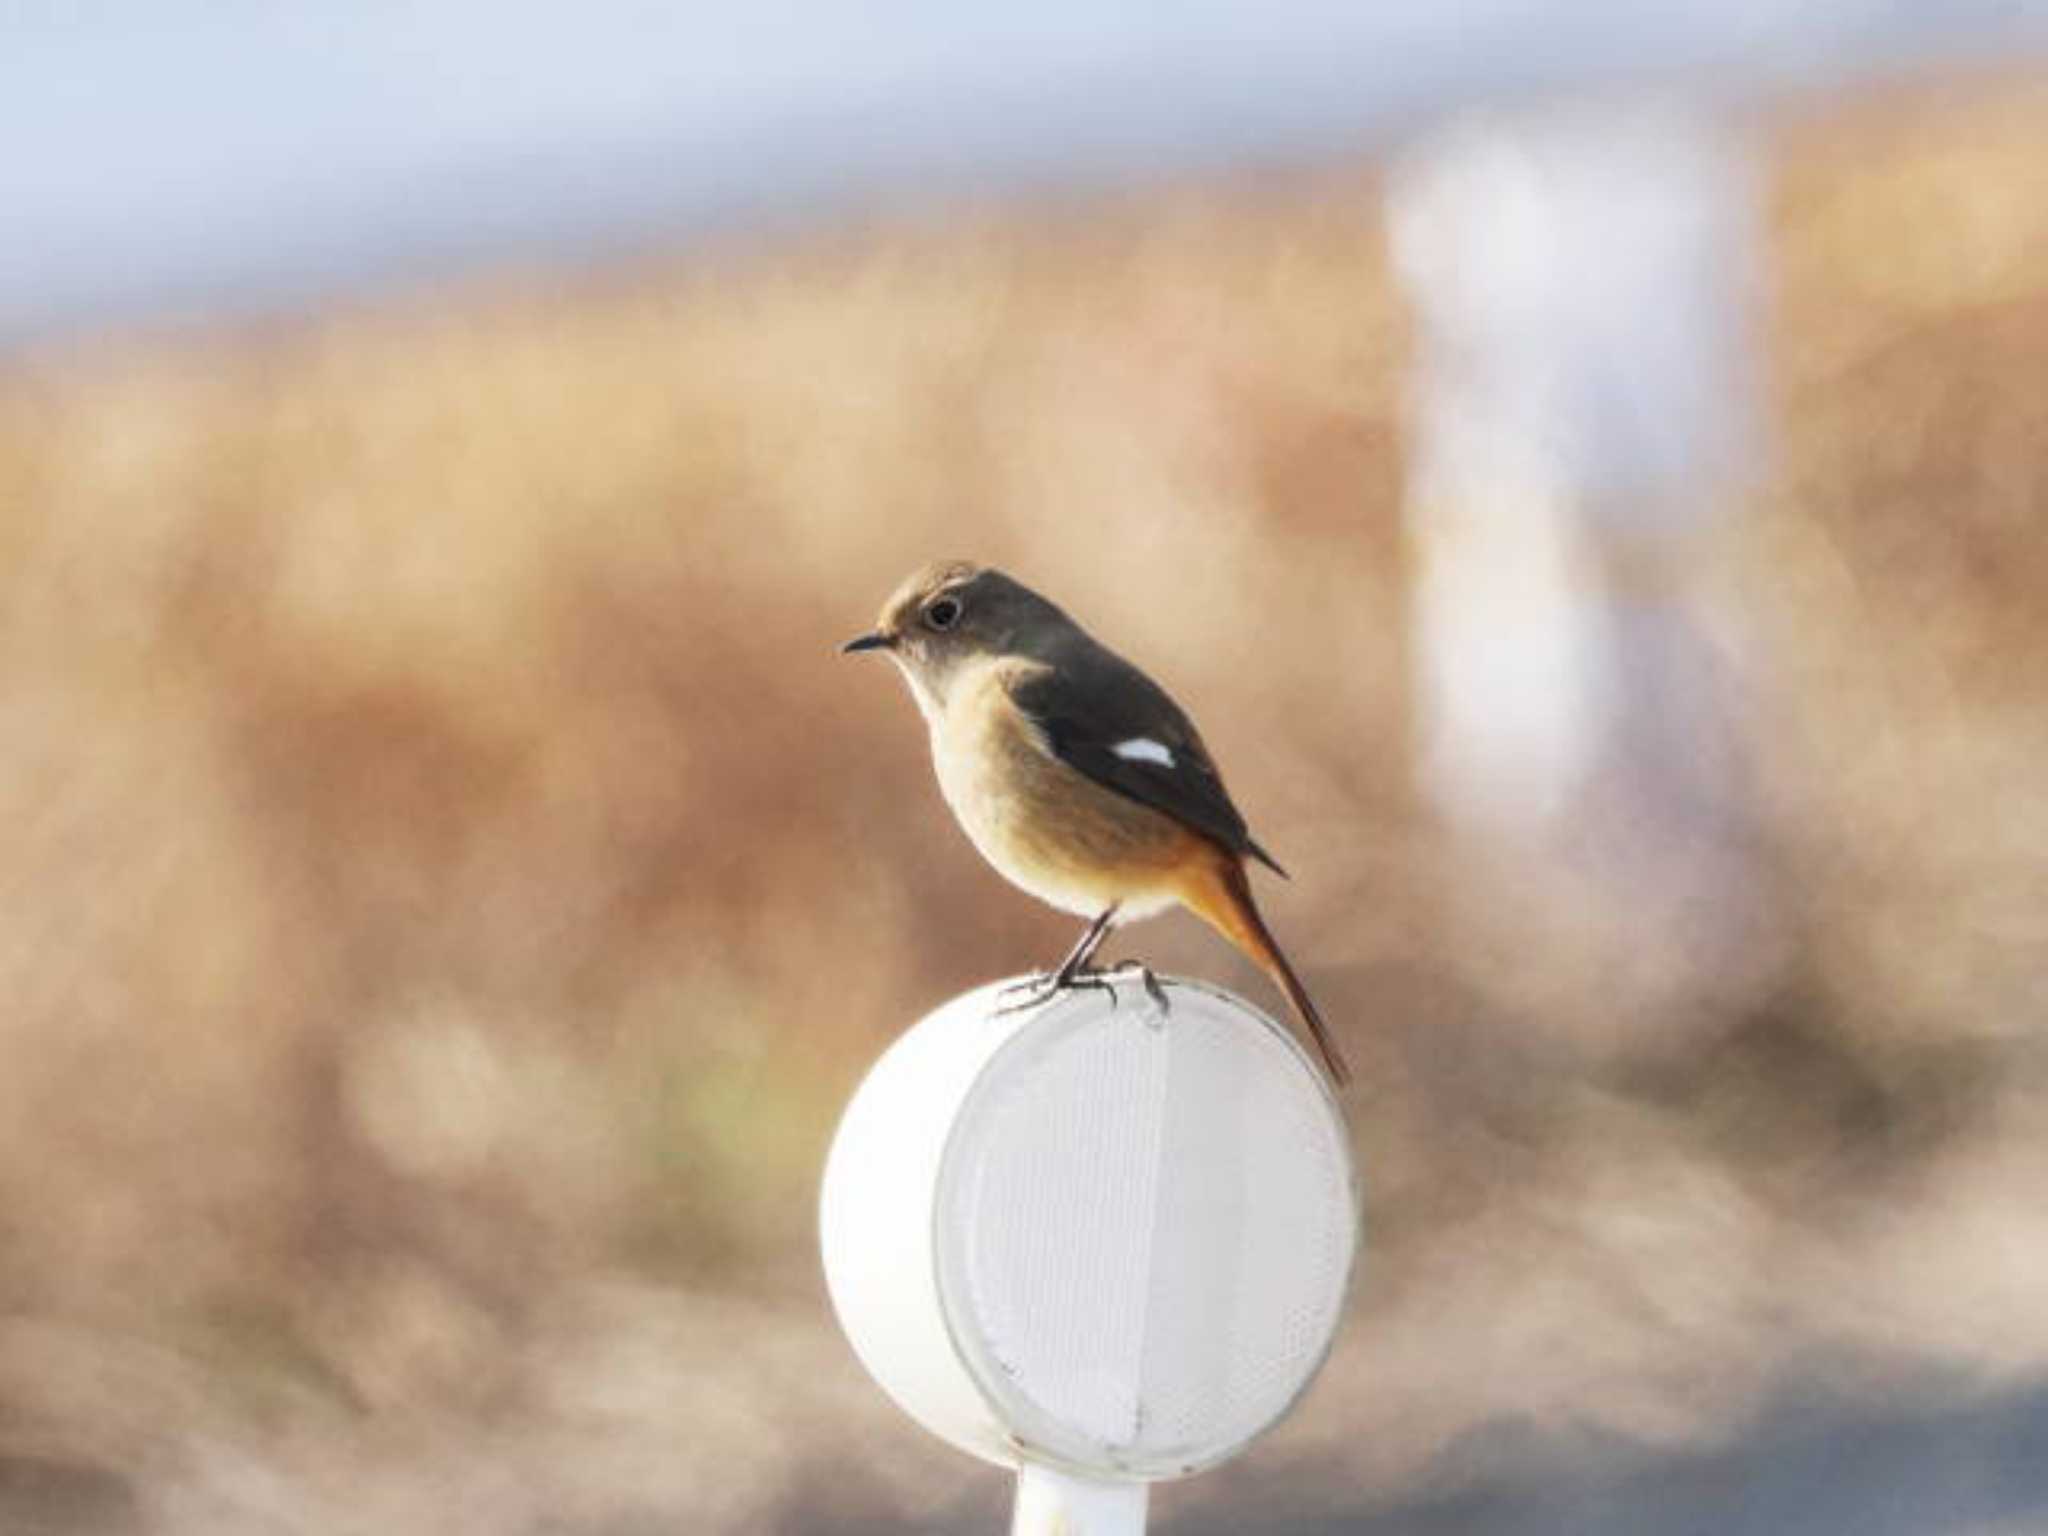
(1143, 749)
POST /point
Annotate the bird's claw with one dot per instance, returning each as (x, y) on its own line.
(1036, 992)
(1040, 989)
(1038, 981)
(1151, 982)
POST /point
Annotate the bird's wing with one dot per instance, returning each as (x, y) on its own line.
(1104, 718)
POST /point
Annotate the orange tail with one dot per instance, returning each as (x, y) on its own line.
(1221, 896)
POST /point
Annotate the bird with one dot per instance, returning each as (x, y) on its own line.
(1074, 774)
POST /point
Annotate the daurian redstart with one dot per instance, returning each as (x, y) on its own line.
(1073, 772)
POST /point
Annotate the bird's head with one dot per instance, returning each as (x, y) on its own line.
(950, 613)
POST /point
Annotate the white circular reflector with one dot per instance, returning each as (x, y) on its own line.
(1093, 1234)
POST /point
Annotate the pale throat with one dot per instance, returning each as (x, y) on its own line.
(929, 704)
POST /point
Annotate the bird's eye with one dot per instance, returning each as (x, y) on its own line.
(944, 613)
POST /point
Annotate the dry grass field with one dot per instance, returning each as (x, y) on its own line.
(448, 884)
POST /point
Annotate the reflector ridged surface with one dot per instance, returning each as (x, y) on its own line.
(1144, 1231)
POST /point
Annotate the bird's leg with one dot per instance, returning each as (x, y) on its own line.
(1071, 972)
(1076, 964)
(1075, 971)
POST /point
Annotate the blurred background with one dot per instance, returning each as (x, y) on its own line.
(451, 885)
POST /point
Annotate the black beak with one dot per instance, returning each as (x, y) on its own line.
(874, 640)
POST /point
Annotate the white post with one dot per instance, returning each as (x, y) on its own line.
(1583, 276)
(1101, 1243)
(1052, 1503)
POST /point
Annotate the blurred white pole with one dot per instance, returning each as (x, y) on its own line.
(1051, 1503)
(1583, 277)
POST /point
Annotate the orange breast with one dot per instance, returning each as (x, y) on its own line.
(1043, 825)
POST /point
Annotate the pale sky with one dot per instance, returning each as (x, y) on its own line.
(165, 157)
